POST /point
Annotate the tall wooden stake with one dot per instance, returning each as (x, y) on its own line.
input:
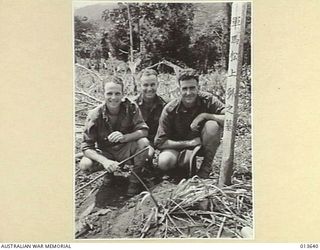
(130, 33)
(238, 20)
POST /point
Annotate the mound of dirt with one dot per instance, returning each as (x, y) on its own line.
(110, 214)
(193, 208)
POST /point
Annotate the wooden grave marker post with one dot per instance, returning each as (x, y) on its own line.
(237, 29)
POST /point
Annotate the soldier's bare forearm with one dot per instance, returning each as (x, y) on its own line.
(135, 135)
(218, 118)
(171, 144)
(94, 155)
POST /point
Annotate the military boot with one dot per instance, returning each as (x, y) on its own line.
(206, 166)
(134, 186)
(140, 163)
(108, 180)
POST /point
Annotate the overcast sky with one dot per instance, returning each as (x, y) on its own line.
(80, 4)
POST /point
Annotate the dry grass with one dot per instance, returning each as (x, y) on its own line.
(198, 208)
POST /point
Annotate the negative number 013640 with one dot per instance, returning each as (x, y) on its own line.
(305, 245)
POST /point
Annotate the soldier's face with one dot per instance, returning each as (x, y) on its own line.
(149, 85)
(121, 72)
(189, 91)
(113, 94)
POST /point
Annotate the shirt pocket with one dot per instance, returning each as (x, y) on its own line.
(126, 125)
(156, 115)
(103, 135)
(104, 131)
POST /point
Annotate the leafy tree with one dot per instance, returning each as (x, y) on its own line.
(151, 32)
(210, 39)
(87, 39)
(158, 30)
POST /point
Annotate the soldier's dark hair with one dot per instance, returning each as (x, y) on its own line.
(188, 74)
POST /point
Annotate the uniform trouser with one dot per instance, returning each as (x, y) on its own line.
(210, 141)
(119, 153)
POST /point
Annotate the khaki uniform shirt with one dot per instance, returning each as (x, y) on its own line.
(98, 125)
(175, 120)
(151, 115)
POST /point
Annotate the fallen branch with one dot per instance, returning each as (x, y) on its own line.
(89, 103)
(92, 72)
(82, 109)
(154, 65)
(87, 95)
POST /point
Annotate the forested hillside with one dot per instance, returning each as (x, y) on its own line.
(189, 35)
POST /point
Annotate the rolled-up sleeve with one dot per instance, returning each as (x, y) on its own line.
(164, 129)
(137, 119)
(216, 107)
(89, 134)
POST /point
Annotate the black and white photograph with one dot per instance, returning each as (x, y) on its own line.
(162, 120)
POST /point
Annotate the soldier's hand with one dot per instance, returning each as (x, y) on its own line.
(195, 123)
(110, 166)
(116, 136)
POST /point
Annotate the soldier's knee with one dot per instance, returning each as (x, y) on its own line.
(167, 160)
(85, 165)
(211, 130)
(143, 142)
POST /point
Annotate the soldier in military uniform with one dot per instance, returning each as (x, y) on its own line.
(149, 102)
(114, 131)
(196, 118)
